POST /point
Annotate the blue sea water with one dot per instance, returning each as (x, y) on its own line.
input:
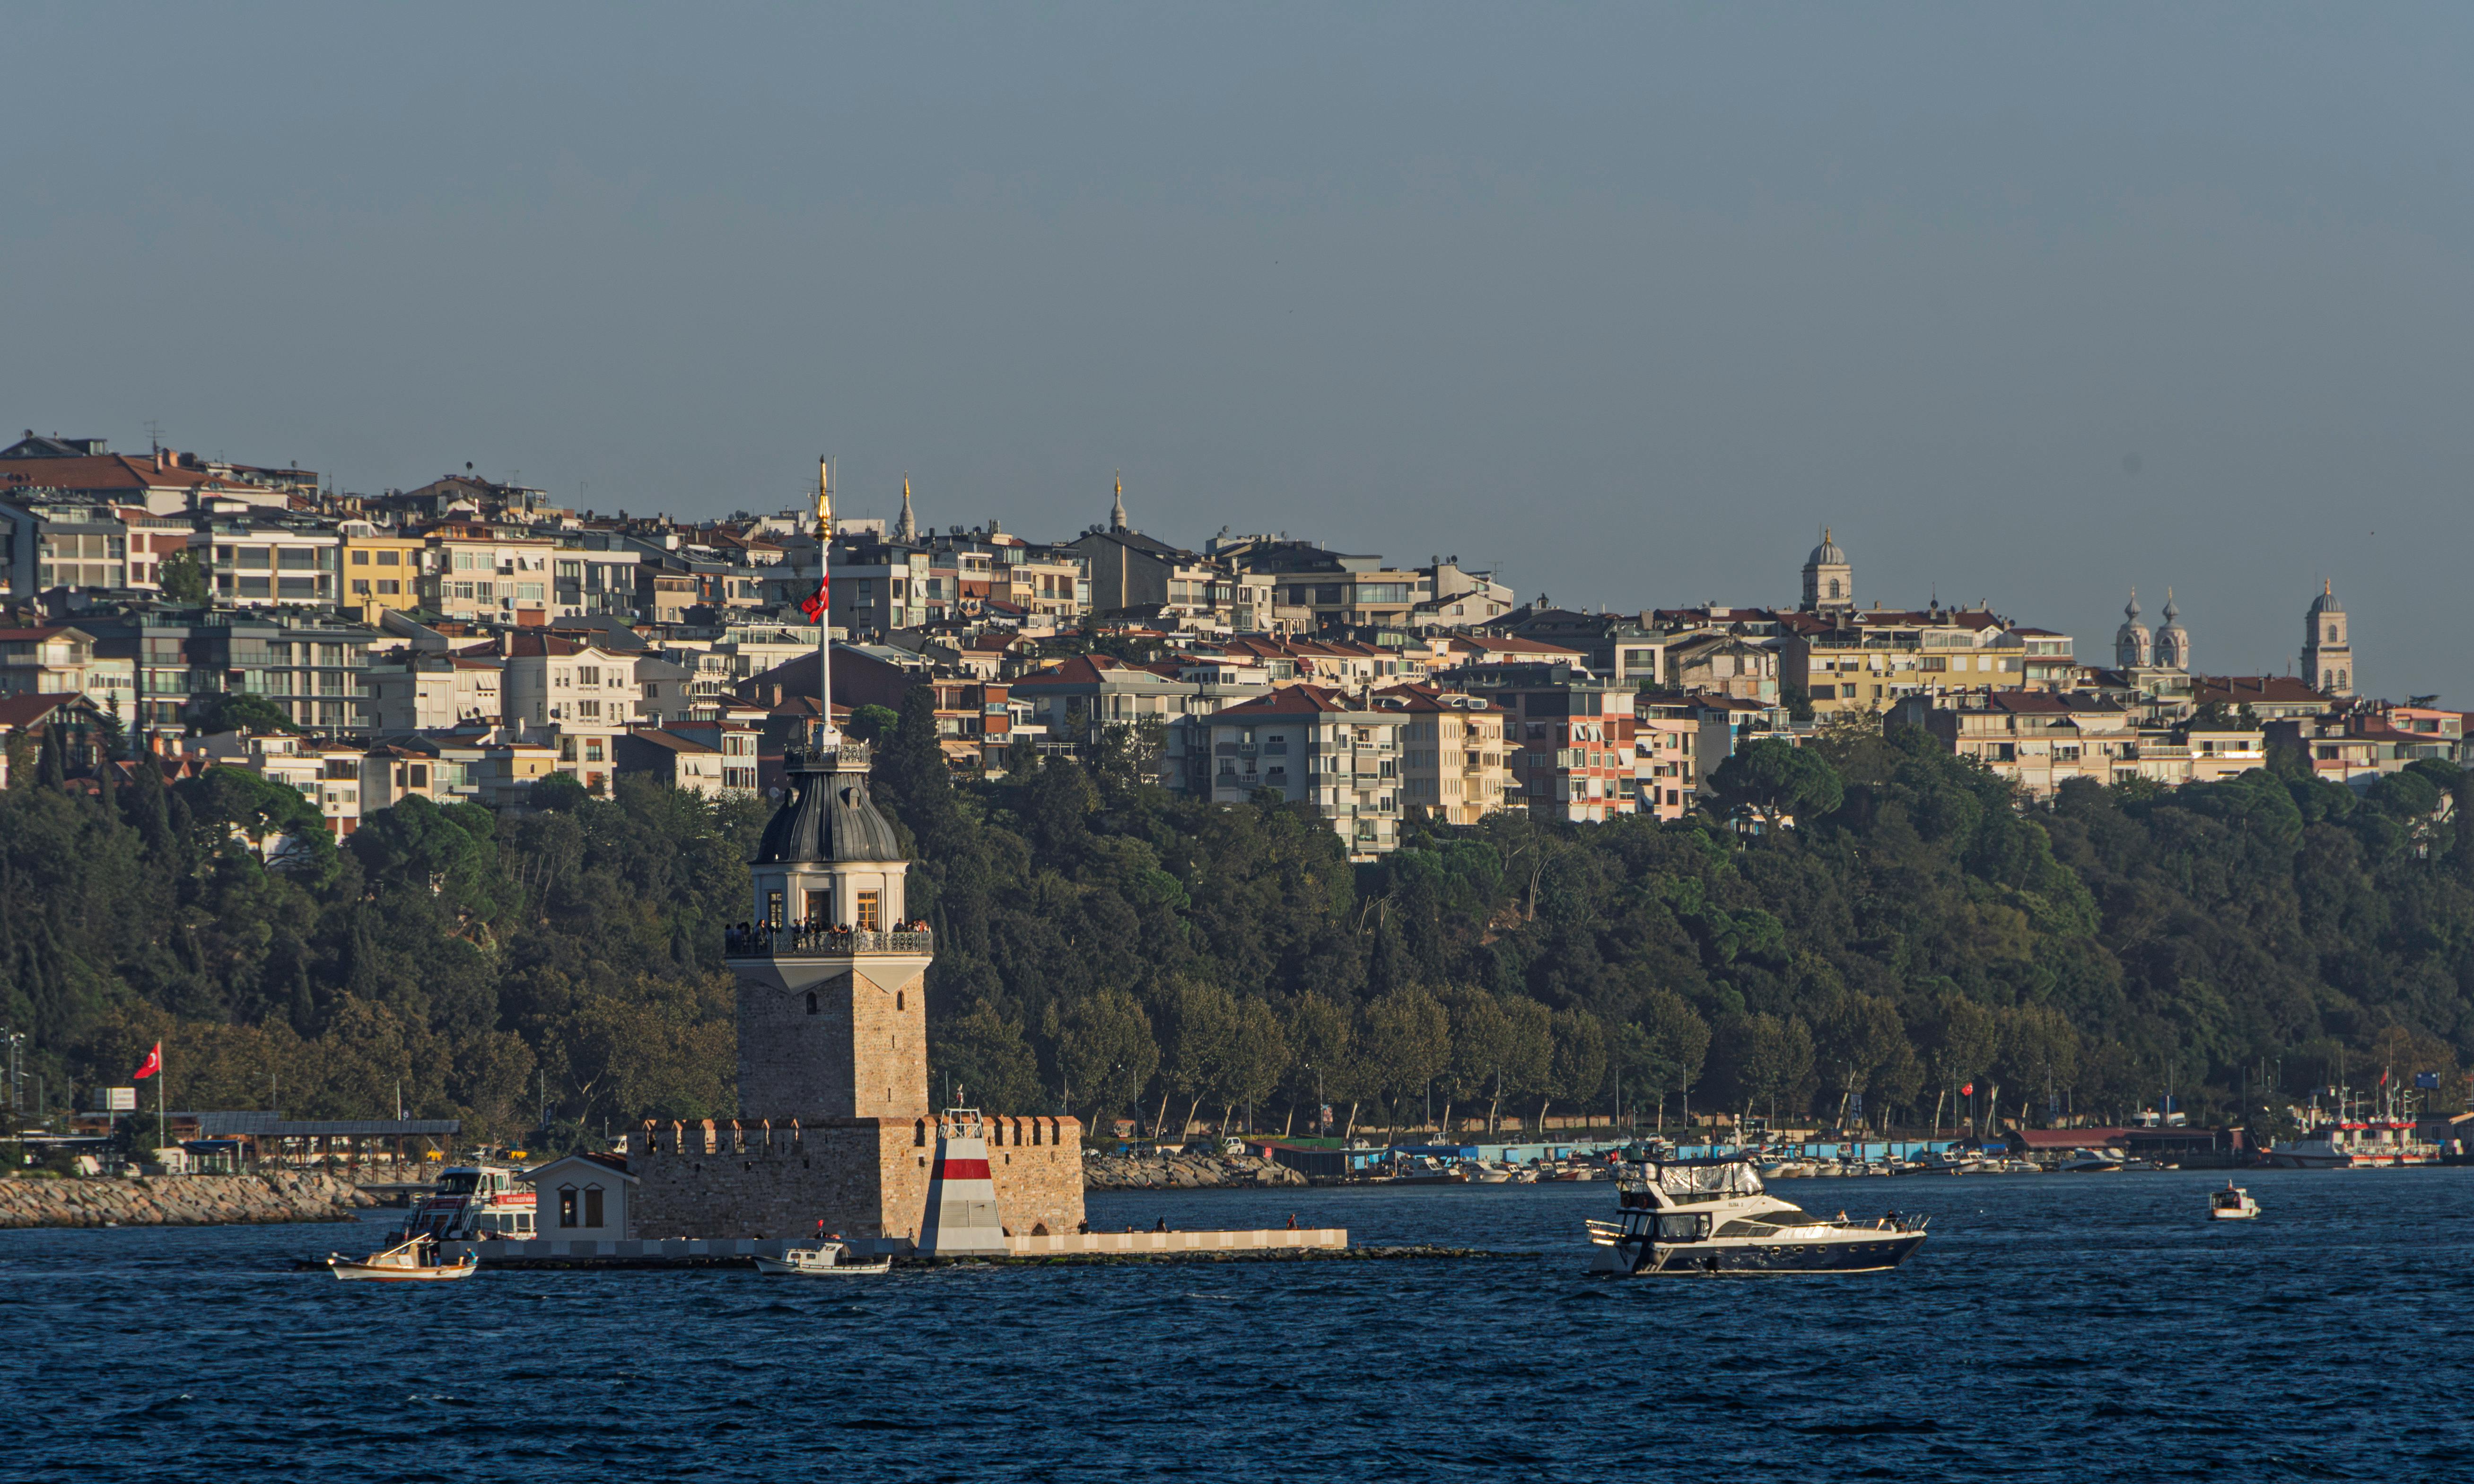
(2055, 1327)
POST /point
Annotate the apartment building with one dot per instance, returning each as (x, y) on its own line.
(479, 573)
(263, 564)
(1570, 736)
(1312, 746)
(1870, 660)
(1329, 589)
(419, 691)
(63, 659)
(1453, 763)
(381, 571)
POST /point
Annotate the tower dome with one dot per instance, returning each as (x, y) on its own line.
(2326, 601)
(2133, 647)
(2173, 640)
(1828, 580)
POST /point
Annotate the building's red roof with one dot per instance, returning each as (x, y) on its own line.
(16, 711)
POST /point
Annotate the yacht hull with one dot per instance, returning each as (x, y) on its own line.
(1700, 1260)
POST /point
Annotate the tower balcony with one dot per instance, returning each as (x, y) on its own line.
(814, 943)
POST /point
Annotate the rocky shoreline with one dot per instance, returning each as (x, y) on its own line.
(1185, 1172)
(179, 1201)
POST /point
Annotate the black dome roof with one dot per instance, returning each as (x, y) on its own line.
(828, 816)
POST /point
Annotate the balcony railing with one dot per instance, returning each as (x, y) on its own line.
(805, 943)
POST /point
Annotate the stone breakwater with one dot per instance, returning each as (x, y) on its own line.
(179, 1201)
(1184, 1172)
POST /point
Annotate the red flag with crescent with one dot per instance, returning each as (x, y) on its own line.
(814, 606)
(153, 1065)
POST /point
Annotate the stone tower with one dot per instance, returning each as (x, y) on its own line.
(1828, 580)
(1117, 512)
(2327, 649)
(906, 528)
(2173, 640)
(2133, 646)
(831, 1022)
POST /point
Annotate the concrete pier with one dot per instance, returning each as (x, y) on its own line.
(741, 1252)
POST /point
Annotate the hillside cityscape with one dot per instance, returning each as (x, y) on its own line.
(441, 800)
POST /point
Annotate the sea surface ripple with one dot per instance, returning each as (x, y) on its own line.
(2054, 1328)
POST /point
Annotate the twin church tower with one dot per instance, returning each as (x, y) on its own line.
(2327, 651)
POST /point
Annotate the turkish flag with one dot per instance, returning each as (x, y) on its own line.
(815, 607)
(154, 1063)
(1967, 1091)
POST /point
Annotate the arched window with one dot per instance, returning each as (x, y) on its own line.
(566, 1205)
(897, 999)
(1833, 587)
(812, 1002)
(2340, 680)
(2332, 633)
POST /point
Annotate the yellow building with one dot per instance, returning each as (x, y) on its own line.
(1453, 768)
(381, 571)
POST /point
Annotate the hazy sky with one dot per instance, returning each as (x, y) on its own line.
(2030, 304)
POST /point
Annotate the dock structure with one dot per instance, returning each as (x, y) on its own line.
(742, 1251)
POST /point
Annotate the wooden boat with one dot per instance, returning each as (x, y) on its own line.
(824, 1259)
(401, 1263)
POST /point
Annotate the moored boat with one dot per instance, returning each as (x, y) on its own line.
(2232, 1203)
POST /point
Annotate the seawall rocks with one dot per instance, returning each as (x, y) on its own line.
(179, 1201)
(1193, 1171)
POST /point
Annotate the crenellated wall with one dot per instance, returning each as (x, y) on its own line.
(860, 1177)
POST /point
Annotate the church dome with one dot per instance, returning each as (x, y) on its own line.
(1826, 554)
(2326, 601)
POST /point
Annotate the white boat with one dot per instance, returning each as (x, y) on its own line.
(2232, 1203)
(474, 1203)
(1478, 1172)
(1712, 1216)
(2368, 1144)
(821, 1260)
(410, 1262)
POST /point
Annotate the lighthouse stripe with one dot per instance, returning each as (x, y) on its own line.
(962, 1169)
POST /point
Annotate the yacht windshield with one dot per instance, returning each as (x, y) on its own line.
(458, 1183)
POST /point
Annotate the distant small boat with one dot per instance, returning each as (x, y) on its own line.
(824, 1259)
(2232, 1203)
(401, 1263)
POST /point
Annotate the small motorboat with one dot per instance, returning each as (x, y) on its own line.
(821, 1260)
(411, 1261)
(2232, 1203)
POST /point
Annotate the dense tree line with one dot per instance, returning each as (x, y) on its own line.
(1856, 932)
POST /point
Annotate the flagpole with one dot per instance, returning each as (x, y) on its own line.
(163, 1078)
(825, 620)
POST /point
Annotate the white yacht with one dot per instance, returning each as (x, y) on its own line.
(1711, 1216)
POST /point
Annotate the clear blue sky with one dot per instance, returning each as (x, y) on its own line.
(2030, 303)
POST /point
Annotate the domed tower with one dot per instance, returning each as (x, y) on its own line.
(2327, 651)
(2132, 648)
(1829, 580)
(2173, 640)
(830, 1023)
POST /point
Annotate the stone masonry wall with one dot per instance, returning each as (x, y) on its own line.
(862, 1053)
(862, 1177)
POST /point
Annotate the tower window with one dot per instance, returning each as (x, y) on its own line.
(812, 1002)
(897, 999)
(868, 910)
(773, 907)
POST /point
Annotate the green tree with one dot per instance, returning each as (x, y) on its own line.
(1578, 1070)
(1406, 1044)
(1774, 780)
(984, 1055)
(1105, 1051)
(870, 723)
(181, 579)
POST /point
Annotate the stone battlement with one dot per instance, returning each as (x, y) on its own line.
(790, 1137)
